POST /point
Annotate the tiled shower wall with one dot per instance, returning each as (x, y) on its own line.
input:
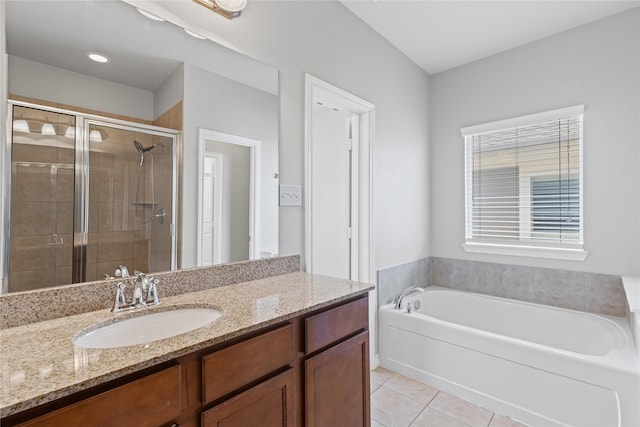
(592, 292)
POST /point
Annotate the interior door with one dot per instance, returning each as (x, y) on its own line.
(332, 177)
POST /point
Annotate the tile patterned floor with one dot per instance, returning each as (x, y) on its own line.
(398, 401)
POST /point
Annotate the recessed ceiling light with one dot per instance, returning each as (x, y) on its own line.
(150, 15)
(97, 57)
(192, 34)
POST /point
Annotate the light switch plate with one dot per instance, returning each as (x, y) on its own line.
(290, 195)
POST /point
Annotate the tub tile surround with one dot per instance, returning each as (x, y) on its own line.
(21, 308)
(399, 401)
(591, 292)
(393, 280)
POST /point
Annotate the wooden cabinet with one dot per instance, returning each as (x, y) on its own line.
(229, 369)
(150, 401)
(335, 324)
(337, 377)
(337, 385)
(312, 370)
(269, 404)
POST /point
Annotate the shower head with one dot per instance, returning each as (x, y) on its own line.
(142, 149)
(139, 146)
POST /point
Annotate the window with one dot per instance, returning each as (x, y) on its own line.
(524, 185)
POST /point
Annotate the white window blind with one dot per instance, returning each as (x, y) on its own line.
(524, 182)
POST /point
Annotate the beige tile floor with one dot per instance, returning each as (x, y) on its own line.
(398, 401)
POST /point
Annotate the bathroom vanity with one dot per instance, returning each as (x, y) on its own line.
(288, 350)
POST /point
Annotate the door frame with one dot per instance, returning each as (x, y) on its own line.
(364, 112)
(254, 186)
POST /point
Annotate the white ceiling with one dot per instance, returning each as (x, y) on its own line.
(143, 53)
(440, 35)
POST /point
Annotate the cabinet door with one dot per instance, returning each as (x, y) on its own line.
(269, 404)
(337, 385)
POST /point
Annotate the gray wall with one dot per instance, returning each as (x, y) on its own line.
(597, 65)
(41, 81)
(326, 40)
(214, 102)
(236, 161)
(170, 92)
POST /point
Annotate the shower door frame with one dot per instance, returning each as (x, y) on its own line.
(81, 182)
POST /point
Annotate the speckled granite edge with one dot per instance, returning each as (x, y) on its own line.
(40, 363)
(22, 308)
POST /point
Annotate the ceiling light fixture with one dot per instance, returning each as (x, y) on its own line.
(150, 15)
(48, 129)
(232, 5)
(70, 132)
(21, 125)
(95, 136)
(228, 8)
(194, 34)
(97, 57)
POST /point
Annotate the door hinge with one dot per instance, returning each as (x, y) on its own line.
(349, 233)
(349, 144)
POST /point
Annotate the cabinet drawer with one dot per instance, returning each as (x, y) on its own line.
(332, 325)
(149, 401)
(269, 404)
(228, 369)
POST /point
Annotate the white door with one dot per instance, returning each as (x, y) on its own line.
(333, 177)
(339, 187)
(211, 212)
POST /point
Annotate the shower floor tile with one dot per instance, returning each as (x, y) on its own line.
(398, 401)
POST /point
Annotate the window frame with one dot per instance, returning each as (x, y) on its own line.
(527, 247)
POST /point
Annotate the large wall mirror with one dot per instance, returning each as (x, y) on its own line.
(107, 160)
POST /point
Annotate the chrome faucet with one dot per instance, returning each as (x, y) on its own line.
(145, 291)
(122, 271)
(409, 291)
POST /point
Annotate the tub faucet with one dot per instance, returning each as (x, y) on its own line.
(409, 291)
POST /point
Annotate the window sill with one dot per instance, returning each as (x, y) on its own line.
(565, 254)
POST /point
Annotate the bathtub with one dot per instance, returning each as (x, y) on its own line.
(538, 364)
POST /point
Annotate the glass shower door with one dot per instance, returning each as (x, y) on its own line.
(86, 196)
(42, 198)
(131, 192)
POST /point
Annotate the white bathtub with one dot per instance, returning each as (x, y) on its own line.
(538, 364)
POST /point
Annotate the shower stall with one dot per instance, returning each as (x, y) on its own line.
(87, 194)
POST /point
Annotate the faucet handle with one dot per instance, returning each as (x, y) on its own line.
(121, 299)
(152, 294)
(122, 271)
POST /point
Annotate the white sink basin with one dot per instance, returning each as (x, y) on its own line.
(147, 327)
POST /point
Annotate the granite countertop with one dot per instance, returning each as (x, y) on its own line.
(39, 362)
